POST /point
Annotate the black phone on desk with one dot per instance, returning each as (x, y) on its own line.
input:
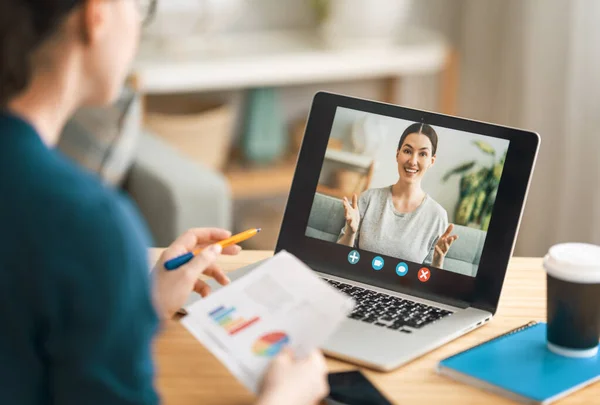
(353, 388)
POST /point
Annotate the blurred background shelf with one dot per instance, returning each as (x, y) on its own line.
(280, 58)
(349, 158)
(345, 173)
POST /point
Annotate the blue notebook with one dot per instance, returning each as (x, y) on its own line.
(519, 366)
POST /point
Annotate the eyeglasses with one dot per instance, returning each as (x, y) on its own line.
(147, 10)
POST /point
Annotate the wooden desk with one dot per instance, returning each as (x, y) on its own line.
(189, 375)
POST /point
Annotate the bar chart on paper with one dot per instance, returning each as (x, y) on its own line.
(226, 318)
(280, 304)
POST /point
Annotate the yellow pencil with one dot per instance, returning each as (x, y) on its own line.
(235, 239)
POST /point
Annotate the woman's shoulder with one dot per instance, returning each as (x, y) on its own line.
(436, 209)
(80, 201)
(53, 193)
(379, 193)
(67, 184)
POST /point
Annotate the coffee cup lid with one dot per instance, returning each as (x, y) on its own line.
(576, 262)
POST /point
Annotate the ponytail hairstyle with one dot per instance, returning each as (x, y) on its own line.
(24, 26)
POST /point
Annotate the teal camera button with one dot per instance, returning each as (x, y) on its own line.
(378, 263)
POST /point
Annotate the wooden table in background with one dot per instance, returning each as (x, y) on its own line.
(189, 375)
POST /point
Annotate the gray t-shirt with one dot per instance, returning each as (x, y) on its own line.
(409, 236)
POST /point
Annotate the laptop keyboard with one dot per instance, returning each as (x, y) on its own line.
(388, 311)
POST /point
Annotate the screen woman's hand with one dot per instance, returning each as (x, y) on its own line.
(351, 213)
(443, 246)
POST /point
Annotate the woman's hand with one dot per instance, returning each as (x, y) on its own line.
(172, 288)
(295, 382)
(352, 214)
(443, 246)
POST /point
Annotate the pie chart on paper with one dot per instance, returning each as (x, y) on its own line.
(270, 344)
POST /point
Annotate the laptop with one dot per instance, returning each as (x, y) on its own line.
(412, 213)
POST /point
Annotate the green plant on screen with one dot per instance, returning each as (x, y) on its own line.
(478, 188)
(321, 9)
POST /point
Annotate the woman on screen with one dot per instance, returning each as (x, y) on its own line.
(402, 220)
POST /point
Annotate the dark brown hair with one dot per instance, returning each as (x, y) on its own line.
(24, 26)
(423, 129)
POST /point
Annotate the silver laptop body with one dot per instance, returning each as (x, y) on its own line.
(379, 347)
(388, 328)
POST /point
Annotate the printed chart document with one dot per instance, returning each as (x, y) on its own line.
(280, 303)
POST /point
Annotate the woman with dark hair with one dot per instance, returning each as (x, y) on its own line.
(78, 307)
(402, 220)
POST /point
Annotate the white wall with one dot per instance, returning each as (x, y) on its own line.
(454, 148)
(526, 70)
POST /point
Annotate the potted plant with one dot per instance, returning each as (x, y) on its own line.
(478, 188)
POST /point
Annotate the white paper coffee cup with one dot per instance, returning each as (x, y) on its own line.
(573, 299)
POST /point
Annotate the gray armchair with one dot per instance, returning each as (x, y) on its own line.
(326, 219)
(465, 253)
(172, 192)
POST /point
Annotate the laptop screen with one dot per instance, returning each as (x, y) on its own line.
(416, 197)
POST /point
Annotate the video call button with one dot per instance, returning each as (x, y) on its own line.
(353, 257)
(378, 263)
(424, 274)
(402, 269)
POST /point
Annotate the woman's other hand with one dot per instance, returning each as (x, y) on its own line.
(352, 214)
(443, 246)
(172, 288)
(295, 382)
